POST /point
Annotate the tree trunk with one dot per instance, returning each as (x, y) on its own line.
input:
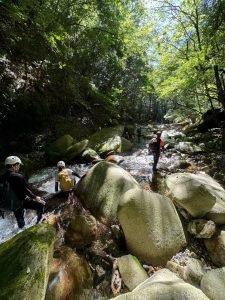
(219, 86)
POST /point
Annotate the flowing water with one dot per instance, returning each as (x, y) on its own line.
(138, 163)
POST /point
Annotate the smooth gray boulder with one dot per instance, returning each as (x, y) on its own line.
(164, 285)
(151, 225)
(213, 284)
(188, 147)
(196, 193)
(217, 212)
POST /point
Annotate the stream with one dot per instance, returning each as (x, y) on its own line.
(138, 163)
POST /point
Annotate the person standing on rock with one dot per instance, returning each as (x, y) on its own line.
(155, 144)
(17, 195)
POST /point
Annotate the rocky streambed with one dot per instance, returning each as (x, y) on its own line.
(125, 232)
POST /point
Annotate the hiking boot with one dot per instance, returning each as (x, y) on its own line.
(21, 223)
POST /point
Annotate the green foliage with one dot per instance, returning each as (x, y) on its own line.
(62, 58)
(188, 44)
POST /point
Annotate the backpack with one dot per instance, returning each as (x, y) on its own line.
(8, 198)
(152, 145)
(66, 182)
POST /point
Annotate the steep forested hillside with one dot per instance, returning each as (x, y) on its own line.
(75, 59)
(84, 64)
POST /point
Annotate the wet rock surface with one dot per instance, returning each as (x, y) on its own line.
(108, 242)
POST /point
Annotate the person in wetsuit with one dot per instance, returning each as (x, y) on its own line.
(155, 145)
(20, 187)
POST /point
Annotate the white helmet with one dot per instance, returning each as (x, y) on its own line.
(61, 164)
(12, 160)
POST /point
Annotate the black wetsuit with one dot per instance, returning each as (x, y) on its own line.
(27, 198)
(156, 154)
(154, 146)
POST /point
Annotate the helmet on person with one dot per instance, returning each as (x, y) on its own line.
(158, 133)
(12, 160)
(61, 164)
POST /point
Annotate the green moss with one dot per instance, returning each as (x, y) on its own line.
(24, 263)
(76, 149)
(101, 136)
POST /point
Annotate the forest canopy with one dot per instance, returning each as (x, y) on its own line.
(109, 61)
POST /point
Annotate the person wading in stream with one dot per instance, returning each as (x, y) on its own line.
(64, 178)
(155, 145)
(17, 195)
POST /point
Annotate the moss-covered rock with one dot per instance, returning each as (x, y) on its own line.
(58, 148)
(125, 145)
(106, 139)
(62, 143)
(102, 188)
(90, 155)
(65, 148)
(75, 149)
(24, 263)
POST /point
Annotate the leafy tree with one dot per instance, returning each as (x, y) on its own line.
(189, 72)
(74, 59)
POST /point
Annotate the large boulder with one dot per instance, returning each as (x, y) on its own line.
(58, 148)
(164, 285)
(107, 139)
(217, 212)
(102, 188)
(89, 155)
(188, 147)
(65, 148)
(131, 271)
(24, 263)
(196, 193)
(151, 225)
(75, 149)
(212, 284)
